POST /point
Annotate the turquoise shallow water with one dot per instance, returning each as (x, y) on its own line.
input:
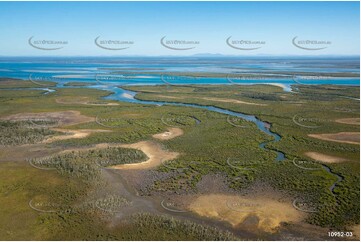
(86, 69)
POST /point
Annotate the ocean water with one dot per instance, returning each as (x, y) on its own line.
(105, 70)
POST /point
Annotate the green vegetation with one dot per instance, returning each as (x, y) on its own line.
(319, 106)
(173, 227)
(211, 143)
(76, 218)
(24, 132)
(6, 83)
(78, 84)
(86, 164)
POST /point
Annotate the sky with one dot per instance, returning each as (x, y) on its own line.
(205, 25)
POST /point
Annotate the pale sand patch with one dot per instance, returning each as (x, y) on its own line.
(277, 85)
(247, 212)
(325, 158)
(170, 134)
(164, 96)
(127, 95)
(341, 137)
(226, 100)
(156, 154)
(73, 134)
(63, 117)
(83, 101)
(352, 121)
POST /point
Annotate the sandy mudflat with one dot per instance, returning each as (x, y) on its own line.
(155, 152)
(73, 134)
(156, 155)
(263, 213)
(352, 121)
(325, 158)
(63, 117)
(226, 100)
(341, 137)
(170, 134)
(164, 96)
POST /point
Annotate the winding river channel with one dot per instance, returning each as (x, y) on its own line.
(120, 94)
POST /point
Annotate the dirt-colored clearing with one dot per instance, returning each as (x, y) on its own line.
(226, 100)
(164, 96)
(325, 158)
(84, 101)
(63, 118)
(341, 137)
(156, 154)
(252, 212)
(170, 134)
(23, 152)
(73, 134)
(352, 121)
(153, 150)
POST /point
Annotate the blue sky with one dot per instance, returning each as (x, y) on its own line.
(209, 23)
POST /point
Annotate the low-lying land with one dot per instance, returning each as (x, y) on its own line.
(73, 171)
